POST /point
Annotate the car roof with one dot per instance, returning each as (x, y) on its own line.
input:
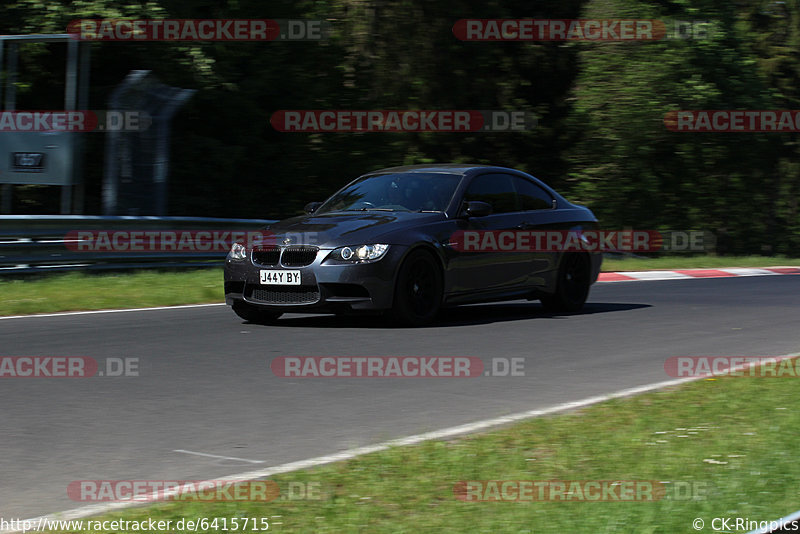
(461, 169)
(437, 168)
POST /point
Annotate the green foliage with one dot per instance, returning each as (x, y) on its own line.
(600, 138)
(633, 171)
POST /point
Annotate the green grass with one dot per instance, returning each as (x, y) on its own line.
(82, 291)
(696, 262)
(747, 425)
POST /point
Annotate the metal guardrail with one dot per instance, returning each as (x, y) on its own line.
(39, 243)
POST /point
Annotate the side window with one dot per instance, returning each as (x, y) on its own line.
(496, 189)
(531, 196)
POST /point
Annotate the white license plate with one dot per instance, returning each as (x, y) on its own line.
(283, 278)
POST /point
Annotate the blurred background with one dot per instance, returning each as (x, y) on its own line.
(600, 138)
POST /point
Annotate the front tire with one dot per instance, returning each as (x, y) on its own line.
(418, 293)
(572, 286)
(253, 314)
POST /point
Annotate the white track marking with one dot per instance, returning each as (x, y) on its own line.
(642, 276)
(92, 312)
(657, 275)
(219, 457)
(742, 271)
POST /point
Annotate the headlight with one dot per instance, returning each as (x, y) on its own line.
(359, 253)
(238, 252)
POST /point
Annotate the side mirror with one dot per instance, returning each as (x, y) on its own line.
(311, 207)
(475, 208)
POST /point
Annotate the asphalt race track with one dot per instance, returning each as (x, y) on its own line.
(205, 382)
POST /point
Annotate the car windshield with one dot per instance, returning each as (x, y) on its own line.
(395, 192)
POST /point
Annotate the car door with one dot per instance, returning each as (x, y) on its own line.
(491, 270)
(537, 208)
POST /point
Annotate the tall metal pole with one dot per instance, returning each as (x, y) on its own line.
(10, 105)
(2, 43)
(70, 95)
(80, 140)
(5, 206)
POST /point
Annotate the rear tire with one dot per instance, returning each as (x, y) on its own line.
(572, 285)
(252, 314)
(418, 293)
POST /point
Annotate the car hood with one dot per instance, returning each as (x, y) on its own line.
(336, 229)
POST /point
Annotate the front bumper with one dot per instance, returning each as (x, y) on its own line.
(597, 265)
(324, 287)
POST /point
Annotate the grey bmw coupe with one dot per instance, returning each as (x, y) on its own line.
(412, 240)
